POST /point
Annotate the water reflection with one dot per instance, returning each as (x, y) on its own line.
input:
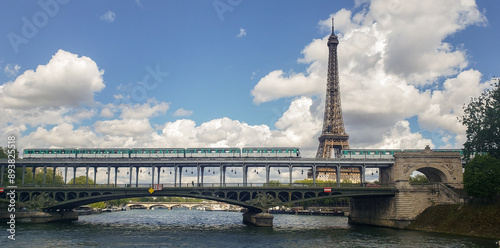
(190, 228)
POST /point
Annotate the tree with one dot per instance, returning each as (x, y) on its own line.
(274, 183)
(419, 178)
(81, 180)
(482, 176)
(482, 118)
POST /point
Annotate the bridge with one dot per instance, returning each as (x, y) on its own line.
(189, 205)
(178, 166)
(395, 203)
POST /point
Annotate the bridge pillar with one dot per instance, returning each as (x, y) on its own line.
(314, 175)
(198, 175)
(95, 175)
(158, 175)
(44, 174)
(267, 174)
(74, 174)
(180, 176)
(116, 176)
(258, 219)
(152, 175)
(108, 173)
(443, 169)
(202, 174)
(130, 173)
(244, 168)
(136, 177)
(86, 175)
(24, 172)
(338, 175)
(2, 174)
(175, 175)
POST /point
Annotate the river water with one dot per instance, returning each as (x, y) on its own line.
(192, 228)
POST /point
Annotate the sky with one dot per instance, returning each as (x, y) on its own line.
(237, 73)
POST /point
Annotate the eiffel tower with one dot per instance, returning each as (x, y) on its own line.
(333, 137)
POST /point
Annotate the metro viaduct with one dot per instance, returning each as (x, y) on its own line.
(180, 164)
(395, 205)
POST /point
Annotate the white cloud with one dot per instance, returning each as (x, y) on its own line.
(386, 53)
(183, 112)
(67, 80)
(11, 70)
(400, 136)
(124, 128)
(108, 16)
(106, 112)
(242, 33)
(145, 110)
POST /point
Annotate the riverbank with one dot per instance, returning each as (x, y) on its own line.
(480, 220)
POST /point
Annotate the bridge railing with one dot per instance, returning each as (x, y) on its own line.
(211, 185)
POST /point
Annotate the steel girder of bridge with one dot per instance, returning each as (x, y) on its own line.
(256, 199)
(179, 164)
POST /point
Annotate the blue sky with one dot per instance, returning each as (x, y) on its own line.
(240, 73)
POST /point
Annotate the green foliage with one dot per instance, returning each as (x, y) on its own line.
(49, 177)
(98, 205)
(274, 183)
(482, 118)
(482, 176)
(419, 178)
(81, 180)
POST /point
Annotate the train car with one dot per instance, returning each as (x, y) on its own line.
(102, 152)
(449, 150)
(117, 152)
(270, 152)
(226, 152)
(369, 153)
(157, 153)
(50, 153)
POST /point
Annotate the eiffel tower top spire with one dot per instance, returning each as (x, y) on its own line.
(333, 137)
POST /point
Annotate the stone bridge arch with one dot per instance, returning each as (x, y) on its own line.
(438, 167)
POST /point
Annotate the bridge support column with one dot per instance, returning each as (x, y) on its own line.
(2, 174)
(152, 175)
(198, 175)
(54, 176)
(108, 173)
(338, 175)
(158, 175)
(74, 174)
(24, 172)
(267, 174)
(258, 219)
(86, 176)
(136, 177)
(202, 174)
(130, 173)
(180, 176)
(116, 176)
(244, 168)
(95, 175)
(44, 174)
(65, 174)
(314, 175)
(290, 170)
(175, 175)
(362, 171)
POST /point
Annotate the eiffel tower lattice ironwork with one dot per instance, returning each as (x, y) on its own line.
(333, 137)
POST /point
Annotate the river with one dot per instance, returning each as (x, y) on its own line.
(192, 228)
